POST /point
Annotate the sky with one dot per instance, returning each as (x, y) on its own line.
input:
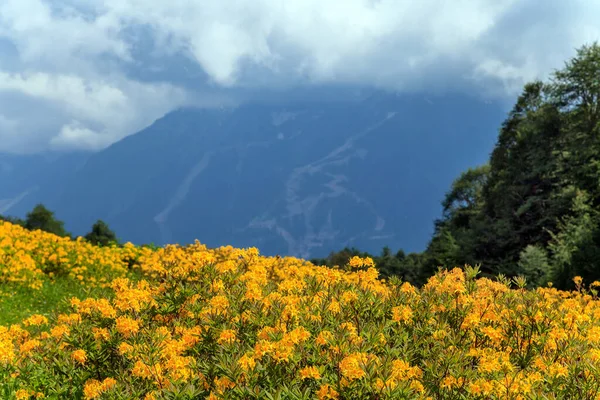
(82, 74)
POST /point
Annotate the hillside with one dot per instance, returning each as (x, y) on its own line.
(38, 269)
(228, 323)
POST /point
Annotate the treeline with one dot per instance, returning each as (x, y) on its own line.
(43, 219)
(534, 208)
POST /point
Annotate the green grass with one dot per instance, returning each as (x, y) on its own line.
(19, 303)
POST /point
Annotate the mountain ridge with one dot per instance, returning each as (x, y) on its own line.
(301, 178)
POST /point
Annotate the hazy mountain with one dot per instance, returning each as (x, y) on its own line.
(301, 178)
(27, 179)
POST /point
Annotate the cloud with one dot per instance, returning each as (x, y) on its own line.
(78, 136)
(74, 112)
(89, 72)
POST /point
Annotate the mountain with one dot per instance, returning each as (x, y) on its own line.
(26, 179)
(301, 178)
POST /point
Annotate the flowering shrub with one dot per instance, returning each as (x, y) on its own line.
(228, 323)
(30, 258)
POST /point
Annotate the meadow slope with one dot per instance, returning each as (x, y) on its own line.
(198, 323)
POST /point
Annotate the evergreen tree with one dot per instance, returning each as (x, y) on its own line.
(12, 220)
(42, 218)
(101, 234)
(534, 265)
(575, 247)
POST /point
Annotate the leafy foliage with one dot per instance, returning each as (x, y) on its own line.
(101, 234)
(43, 219)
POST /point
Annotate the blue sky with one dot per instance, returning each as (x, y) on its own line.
(81, 74)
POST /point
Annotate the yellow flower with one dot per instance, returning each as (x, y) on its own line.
(27, 347)
(92, 389)
(247, 362)
(401, 371)
(60, 330)
(127, 326)
(323, 338)
(334, 307)
(100, 334)
(349, 297)
(22, 394)
(358, 262)
(402, 314)
(326, 392)
(141, 370)
(480, 387)
(79, 356)
(125, 348)
(494, 334)
(226, 337)
(351, 368)
(417, 386)
(558, 370)
(35, 320)
(108, 383)
(310, 372)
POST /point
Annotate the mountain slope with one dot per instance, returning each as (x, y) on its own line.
(302, 178)
(27, 179)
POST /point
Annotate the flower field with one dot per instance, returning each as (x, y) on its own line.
(29, 259)
(198, 323)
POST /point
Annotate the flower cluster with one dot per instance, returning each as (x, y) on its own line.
(30, 258)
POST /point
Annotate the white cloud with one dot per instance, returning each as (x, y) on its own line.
(114, 107)
(75, 135)
(98, 62)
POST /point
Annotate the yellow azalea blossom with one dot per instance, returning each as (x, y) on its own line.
(310, 372)
(351, 367)
(92, 389)
(402, 314)
(227, 336)
(101, 333)
(60, 330)
(326, 392)
(358, 262)
(125, 348)
(247, 362)
(35, 320)
(28, 346)
(127, 326)
(22, 394)
(79, 355)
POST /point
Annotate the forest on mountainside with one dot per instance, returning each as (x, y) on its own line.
(534, 208)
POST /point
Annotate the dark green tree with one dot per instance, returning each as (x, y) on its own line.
(42, 218)
(575, 247)
(534, 265)
(12, 220)
(101, 234)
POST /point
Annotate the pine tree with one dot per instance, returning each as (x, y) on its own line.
(42, 218)
(101, 234)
